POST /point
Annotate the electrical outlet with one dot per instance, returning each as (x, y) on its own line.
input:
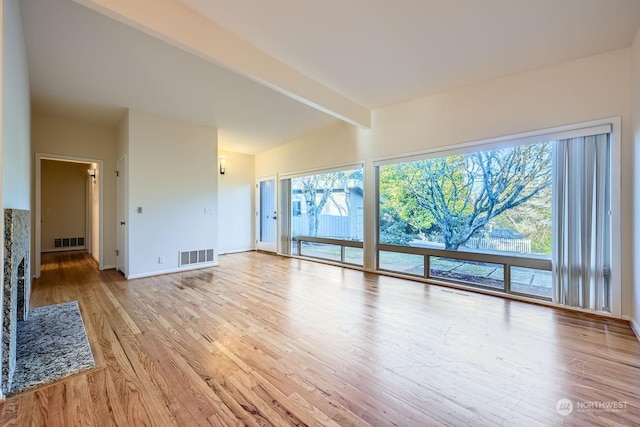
(160, 260)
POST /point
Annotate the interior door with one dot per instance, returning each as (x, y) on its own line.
(121, 242)
(266, 215)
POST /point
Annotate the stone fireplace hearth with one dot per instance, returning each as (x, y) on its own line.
(42, 345)
(16, 288)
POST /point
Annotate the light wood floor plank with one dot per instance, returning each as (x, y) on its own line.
(104, 401)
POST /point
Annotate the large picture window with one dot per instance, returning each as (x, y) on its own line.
(495, 200)
(326, 215)
(503, 218)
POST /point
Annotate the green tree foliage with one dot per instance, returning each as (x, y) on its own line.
(459, 194)
(393, 229)
(532, 219)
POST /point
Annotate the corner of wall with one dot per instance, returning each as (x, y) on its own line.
(123, 134)
(635, 114)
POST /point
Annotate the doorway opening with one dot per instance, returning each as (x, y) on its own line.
(266, 214)
(68, 206)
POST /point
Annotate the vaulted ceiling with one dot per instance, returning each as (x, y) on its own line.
(266, 72)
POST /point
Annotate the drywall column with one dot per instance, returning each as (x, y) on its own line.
(172, 194)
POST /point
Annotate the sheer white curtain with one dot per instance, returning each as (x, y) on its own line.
(581, 249)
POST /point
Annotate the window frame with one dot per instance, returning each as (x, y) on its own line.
(343, 243)
(610, 125)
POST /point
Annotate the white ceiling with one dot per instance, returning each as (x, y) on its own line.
(376, 52)
(83, 65)
(381, 52)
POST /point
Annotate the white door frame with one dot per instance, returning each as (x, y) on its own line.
(122, 200)
(38, 204)
(269, 247)
(88, 239)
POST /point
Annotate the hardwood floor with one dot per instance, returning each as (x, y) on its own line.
(264, 340)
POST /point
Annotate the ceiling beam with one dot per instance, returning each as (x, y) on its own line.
(176, 24)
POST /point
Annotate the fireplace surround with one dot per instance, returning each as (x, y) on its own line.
(16, 288)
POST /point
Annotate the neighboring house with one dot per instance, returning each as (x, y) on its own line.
(341, 216)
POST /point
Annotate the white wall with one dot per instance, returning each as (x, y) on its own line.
(15, 175)
(2, 83)
(16, 167)
(173, 176)
(635, 85)
(123, 136)
(236, 199)
(72, 138)
(587, 89)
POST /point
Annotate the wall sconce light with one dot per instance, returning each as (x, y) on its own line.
(223, 165)
(92, 173)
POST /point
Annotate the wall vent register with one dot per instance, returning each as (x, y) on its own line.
(195, 257)
(68, 242)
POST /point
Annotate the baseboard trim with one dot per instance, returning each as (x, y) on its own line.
(66, 249)
(172, 270)
(236, 251)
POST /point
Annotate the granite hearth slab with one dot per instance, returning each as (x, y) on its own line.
(51, 345)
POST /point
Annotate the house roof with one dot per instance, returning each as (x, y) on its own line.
(264, 73)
